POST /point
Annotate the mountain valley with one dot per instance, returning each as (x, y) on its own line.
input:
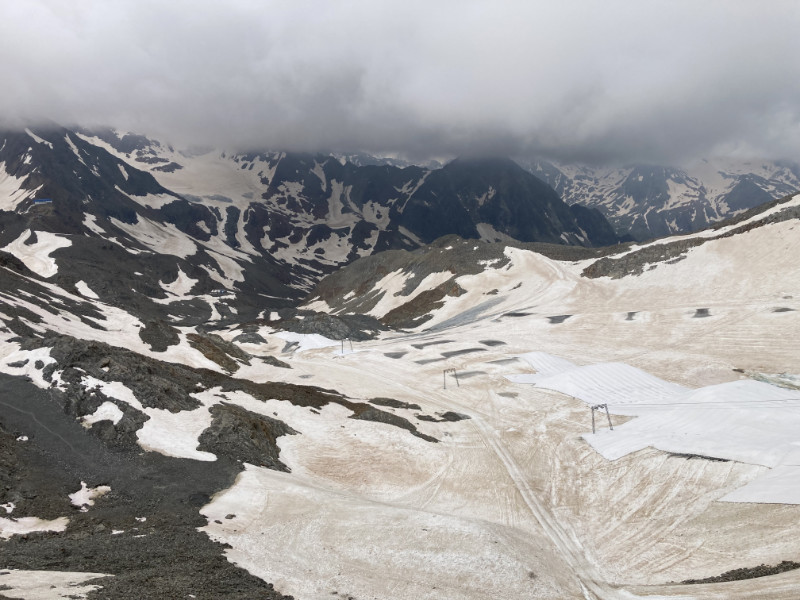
(278, 375)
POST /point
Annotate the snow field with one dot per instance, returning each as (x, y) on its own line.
(334, 542)
(623, 528)
(522, 487)
(48, 585)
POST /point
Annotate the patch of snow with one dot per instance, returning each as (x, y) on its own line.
(405, 232)
(319, 172)
(182, 285)
(107, 411)
(48, 585)
(150, 200)
(488, 233)
(90, 222)
(86, 496)
(74, 148)
(23, 525)
(37, 256)
(85, 290)
(175, 434)
(316, 306)
(161, 238)
(37, 139)
(337, 535)
(231, 270)
(11, 191)
(10, 353)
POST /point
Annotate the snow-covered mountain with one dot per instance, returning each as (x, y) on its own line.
(241, 233)
(420, 425)
(654, 201)
(262, 223)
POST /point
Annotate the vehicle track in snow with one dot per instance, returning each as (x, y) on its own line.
(568, 546)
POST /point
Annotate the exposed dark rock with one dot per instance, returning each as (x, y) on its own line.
(392, 403)
(155, 383)
(373, 414)
(697, 457)
(748, 573)
(216, 349)
(159, 335)
(448, 416)
(453, 353)
(249, 337)
(335, 327)
(245, 436)
(274, 362)
(555, 320)
(163, 557)
(434, 343)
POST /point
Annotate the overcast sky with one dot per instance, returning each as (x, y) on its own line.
(612, 81)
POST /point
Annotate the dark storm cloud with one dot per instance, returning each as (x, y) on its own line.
(613, 81)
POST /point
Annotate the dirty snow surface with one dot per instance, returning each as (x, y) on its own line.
(700, 474)
(506, 492)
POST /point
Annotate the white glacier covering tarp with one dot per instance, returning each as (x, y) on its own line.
(746, 421)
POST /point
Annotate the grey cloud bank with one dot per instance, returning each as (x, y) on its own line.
(587, 81)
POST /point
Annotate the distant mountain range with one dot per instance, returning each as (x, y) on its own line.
(266, 225)
(653, 201)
